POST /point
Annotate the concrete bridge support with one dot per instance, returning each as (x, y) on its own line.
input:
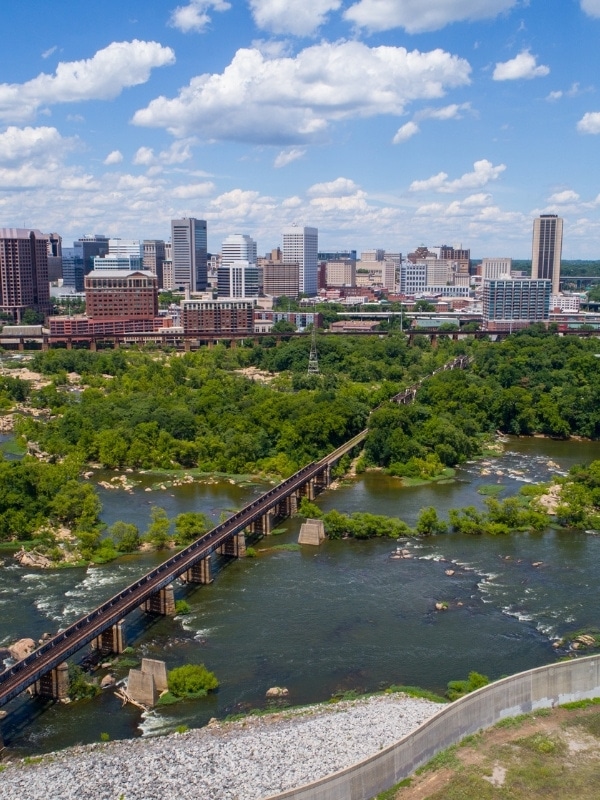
(199, 573)
(322, 480)
(161, 602)
(307, 490)
(54, 684)
(112, 640)
(263, 525)
(235, 546)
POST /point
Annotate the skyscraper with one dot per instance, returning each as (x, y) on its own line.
(23, 272)
(189, 240)
(82, 262)
(547, 249)
(238, 247)
(301, 246)
(237, 274)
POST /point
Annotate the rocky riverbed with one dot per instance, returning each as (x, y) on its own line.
(249, 759)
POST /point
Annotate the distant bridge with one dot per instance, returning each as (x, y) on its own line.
(45, 667)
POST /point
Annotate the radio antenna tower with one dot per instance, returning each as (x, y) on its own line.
(313, 360)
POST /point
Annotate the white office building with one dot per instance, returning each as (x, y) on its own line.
(301, 246)
(495, 268)
(125, 247)
(238, 247)
(237, 279)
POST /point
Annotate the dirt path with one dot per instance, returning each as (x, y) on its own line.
(553, 754)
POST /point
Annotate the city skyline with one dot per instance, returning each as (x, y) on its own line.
(384, 124)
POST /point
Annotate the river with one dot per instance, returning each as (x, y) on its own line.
(341, 617)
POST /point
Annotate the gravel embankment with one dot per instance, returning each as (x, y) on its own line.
(246, 760)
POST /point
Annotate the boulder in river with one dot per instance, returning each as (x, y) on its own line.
(21, 649)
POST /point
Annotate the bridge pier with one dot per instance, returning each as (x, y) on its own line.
(307, 490)
(54, 684)
(161, 602)
(322, 480)
(199, 573)
(112, 640)
(234, 546)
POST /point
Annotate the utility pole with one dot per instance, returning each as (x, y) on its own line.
(313, 360)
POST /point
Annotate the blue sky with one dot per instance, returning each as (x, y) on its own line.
(384, 123)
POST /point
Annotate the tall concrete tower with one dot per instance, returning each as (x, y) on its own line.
(300, 246)
(547, 249)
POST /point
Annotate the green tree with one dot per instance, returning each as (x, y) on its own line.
(429, 524)
(159, 528)
(126, 536)
(190, 526)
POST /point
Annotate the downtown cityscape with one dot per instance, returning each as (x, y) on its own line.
(236, 292)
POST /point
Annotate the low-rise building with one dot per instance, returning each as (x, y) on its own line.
(219, 317)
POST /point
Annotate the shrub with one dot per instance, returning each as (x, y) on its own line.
(191, 679)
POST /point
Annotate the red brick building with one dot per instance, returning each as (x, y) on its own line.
(217, 316)
(121, 294)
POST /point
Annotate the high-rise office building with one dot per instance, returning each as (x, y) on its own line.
(547, 249)
(82, 262)
(301, 245)
(125, 247)
(189, 242)
(515, 304)
(238, 279)
(154, 258)
(54, 257)
(23, 272)
(237, 273)
(238, 247)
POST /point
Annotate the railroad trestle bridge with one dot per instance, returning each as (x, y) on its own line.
(45, 669)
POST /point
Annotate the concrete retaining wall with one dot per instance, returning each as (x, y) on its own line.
(543, 687)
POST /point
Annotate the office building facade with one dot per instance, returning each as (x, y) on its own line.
(301, 246)
(513, 304)
(189, 254)
(153, 258)
(81, 263)
(121, 294)
(547, 249)
(23, 272)
(217, 317)
(237, 279)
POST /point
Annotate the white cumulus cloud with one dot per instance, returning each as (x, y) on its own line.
(34, 158)
(566, 196)
(591, 7)
(115, 157)
(340, 187)
(176, 153)
(483, 172)
(589, 123)
(521, 67)
(305, 93)
(194, 17)
(406, 132)
(297, 17)
(101, 77)
(452, 111)
(288, 156)
(416, 16)
(191, 190)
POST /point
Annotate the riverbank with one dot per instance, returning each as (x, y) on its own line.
(251, 758)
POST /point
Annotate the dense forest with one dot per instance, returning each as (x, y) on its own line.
(254, 409)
